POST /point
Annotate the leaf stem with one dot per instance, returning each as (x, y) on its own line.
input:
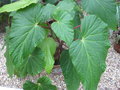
(76, 27)
(45, 27)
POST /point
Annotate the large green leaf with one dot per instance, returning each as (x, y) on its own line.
(43, 83)
(105, 9)
(33, 64)
(48, 46)
(25, 33)
(63, 27)
(89, 53)
(17, 5)
(72, 78)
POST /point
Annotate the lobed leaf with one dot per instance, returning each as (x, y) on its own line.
(89, 53)
(25, 35)
(63, 27)
(33, 64)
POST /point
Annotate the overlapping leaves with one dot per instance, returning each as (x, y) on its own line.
(25, 35)
(29, 50)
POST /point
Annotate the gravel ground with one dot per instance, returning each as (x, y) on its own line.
(110, 80)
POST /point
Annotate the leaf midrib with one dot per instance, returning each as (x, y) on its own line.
(89, 65)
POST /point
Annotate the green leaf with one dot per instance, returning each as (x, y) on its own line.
(43, 83)
(9, 63)
(63, 27)
(25, 33)
(28, 85)
(48, 46)
(51, 1)
(67, 5)
(89, 53)
(76, 23)
(44, 80)
(17, 5)
(47, 12)
(105, 9)
(72, 78)
(33, 64)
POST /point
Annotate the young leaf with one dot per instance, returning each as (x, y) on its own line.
(48, 46)
(105, 9)
(33, 64)
(63, 27)
(25, 33)
(71, 77)
(43, 83)
(89, 54)
(17, 5)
